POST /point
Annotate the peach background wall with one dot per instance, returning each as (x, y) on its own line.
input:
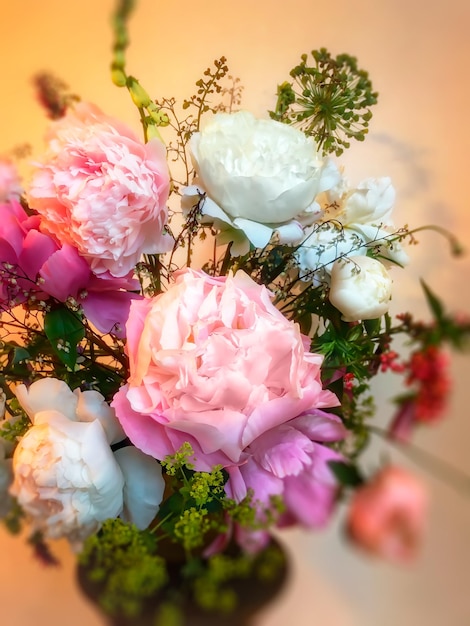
(417, 53)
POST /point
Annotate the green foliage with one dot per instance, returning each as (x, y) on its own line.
(124, 561)
(14, 428)
(213, 585)
(169, 614)
(151, 116)
(14, 519)
(329, 100)
(64, 330)
(175, 463)
(192, 527)
(346, 474)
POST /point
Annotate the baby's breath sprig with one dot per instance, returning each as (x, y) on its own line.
(330, 100)
(212, 96)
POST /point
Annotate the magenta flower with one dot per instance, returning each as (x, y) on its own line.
(289, 461)
(35, 267)
(103, 191)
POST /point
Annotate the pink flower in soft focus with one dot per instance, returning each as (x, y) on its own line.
(289, 461)
(213, 362)
(35, 267)
(387, 515)
(103, 191)
(10, 187)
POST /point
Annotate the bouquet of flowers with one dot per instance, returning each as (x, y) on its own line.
(191, 323)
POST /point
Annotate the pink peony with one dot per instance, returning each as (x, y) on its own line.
(288, 461)
(35, 267)
(214, 363)
(103, 191)
(10, 187)
(386, 516)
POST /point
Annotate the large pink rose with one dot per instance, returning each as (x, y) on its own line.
(103, 191)
(34, 266)
(213, 362)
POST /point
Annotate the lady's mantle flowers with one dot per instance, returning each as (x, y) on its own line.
(103, 191)
(66, 477)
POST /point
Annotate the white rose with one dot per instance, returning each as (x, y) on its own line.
(366, 211)
(259, 174)
(66, 477)
(361, 288)
(371, 202)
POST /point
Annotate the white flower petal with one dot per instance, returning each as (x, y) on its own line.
(257, 233)
(47, 394)
(360, 288)
(289, 233)
(143, 486)
(92, 406)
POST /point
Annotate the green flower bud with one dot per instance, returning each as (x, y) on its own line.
(138, 94)
(118, 77)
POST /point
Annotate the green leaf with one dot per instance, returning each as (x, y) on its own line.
(64, 331)
(346, 474)
(373, 326)
(433, 302)
(20, 354)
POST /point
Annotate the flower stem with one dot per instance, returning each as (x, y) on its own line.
(439, 468)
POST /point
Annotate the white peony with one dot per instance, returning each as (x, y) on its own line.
(351, 222)
(260, 175)
(66, 476)
(371, 202)
(361, 288)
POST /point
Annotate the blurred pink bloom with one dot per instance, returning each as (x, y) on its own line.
(10, 187)
(35, 267)
(103, 191)
(288, 461)
(387, 515)
(213, 362)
